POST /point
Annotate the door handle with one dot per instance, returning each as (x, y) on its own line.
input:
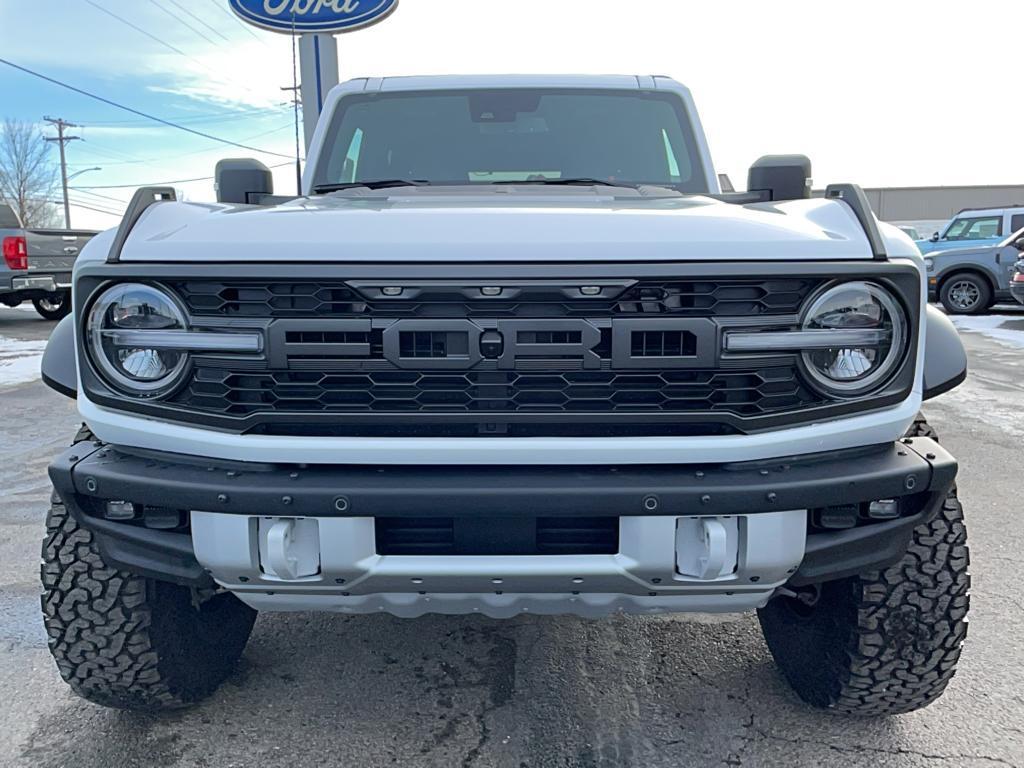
(71, 250)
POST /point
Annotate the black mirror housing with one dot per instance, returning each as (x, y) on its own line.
(781, 177)
(243, 181)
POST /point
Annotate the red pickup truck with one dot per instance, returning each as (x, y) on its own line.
(37, 264)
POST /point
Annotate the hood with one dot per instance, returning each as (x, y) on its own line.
(497, 226)
(962, 253)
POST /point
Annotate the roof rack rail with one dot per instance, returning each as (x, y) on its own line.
(143, 198)
(854, 196)
(990, 208)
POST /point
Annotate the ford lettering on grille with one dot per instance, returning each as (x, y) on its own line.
(512, 344)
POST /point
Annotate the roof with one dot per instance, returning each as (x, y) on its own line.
(440, 82)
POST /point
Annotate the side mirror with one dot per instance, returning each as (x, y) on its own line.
(242, 181)
(1019, 243)
(782, 177)
(935, 237)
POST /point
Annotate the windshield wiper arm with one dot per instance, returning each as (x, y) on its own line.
(572, 182)
(323, 189)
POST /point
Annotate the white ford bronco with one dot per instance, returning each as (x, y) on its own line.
(512, 351)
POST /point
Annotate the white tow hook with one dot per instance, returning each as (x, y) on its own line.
(289, 548)
(707, 547)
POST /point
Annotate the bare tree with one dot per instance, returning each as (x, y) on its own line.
(28, 176)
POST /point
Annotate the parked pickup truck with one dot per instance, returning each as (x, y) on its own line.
(971, 280)
(511, 352)
(37, 264)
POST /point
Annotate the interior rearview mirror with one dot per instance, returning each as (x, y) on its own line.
(781, 177)
(242, 180)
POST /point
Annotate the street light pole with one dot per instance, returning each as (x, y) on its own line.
(61, 140)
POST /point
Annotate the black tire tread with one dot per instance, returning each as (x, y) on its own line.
(898, 633)
(124, 641)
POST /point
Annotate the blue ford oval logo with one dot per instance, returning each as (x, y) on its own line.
(299, 16)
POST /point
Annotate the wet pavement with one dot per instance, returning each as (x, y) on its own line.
(323, 690)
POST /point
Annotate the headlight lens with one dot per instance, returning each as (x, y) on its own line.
(134, 369)
(854, 370)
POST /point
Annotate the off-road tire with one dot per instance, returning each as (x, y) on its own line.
(124, 641)
(885, 642)
(47, 311)
(981, 286)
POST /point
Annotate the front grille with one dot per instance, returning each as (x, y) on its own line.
(484, 535)
(489, 393)
(517, 363)
(720, 298)
(502, 350)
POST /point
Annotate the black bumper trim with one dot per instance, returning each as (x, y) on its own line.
(915, 468)
(838, 554)
(803, 482)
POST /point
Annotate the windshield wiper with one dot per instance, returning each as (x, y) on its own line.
(572, 182)
(323, 189)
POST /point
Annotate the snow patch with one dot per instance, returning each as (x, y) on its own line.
(19, 361)
(992, 326)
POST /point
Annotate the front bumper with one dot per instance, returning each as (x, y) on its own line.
(1017, 291)
(230, 507)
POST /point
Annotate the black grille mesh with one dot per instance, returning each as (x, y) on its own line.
(739, 298)
(743, 392)
(344, 371)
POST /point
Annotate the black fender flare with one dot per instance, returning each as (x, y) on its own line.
(945, 359)
(59, 367)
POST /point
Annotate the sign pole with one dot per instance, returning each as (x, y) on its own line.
(318, 70)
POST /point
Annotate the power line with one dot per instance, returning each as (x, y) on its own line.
(238, 21)
(164, 158)
(161, 183)
(184, 23)
(213, 29)
(203, 117)
(140, 113)
(162, 42)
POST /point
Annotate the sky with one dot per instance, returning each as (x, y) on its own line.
(896, 93)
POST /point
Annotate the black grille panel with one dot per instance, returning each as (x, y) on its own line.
(741, 392)
(696, 298)
(528, 358)
(497, 536)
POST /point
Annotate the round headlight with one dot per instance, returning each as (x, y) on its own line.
(849, 371)
(117, 352)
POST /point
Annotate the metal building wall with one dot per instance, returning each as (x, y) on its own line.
(904, 204)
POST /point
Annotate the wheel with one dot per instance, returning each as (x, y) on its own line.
(128, 642)
(965, 293)
(53, 306)
(885, 642)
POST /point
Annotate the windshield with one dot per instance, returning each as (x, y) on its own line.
(512, 135)
(974, 228)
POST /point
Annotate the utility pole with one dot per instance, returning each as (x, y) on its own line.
(296, 104)
(61, 124)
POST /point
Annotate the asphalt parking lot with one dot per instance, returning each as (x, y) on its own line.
(323, 690)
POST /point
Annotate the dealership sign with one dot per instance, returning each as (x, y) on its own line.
(310, 16)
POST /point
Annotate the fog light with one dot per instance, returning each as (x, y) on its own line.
(707, 548)
(884, 509)
(121, 510)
